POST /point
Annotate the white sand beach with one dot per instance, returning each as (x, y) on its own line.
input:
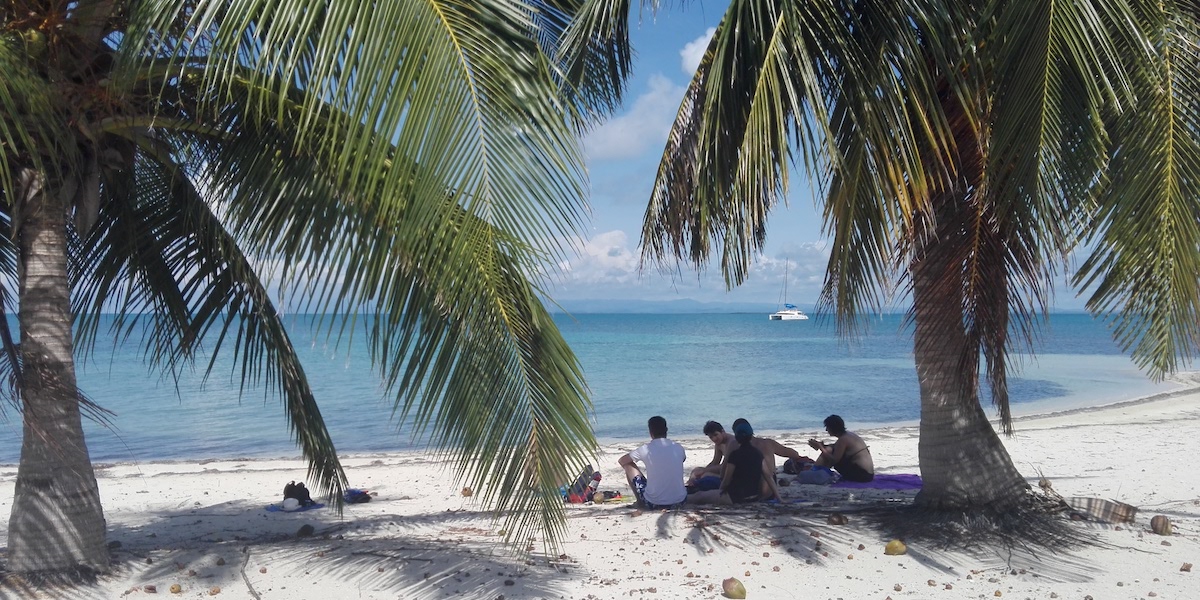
(203, 527)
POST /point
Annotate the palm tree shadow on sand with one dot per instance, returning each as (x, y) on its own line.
(1039, 537)
(1031, 536)
(232, 546)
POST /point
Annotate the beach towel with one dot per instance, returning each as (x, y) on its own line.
(884, 481)
(279, 507)
(1098, 509)
(708, 482)
(609, 496)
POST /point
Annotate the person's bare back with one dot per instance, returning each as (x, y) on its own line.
(725, 443)
(771, 448)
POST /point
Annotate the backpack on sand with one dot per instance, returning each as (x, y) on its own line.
(583, 488)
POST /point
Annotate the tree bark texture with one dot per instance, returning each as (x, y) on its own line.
(964, 465)
(57, 523)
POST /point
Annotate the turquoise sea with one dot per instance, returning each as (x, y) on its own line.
(689, 368)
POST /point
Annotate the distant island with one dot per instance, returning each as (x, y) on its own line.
(685, 306)
(689, 306)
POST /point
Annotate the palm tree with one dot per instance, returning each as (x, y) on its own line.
(965, 151)
(182, 163)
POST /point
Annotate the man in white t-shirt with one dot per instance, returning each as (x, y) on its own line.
(661, 486)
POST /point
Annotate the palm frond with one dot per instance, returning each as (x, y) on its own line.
(888, 146)
(459, 87)
(10, 365)
(410, 161)
(588, 42)
(1147, 224)
(9, 288)
(455, 328)
(1039, 144)
(1046, 141)
(165, 251)
(726, 161)
(31, 121)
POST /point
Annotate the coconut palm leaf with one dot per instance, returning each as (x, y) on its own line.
(452, 322)
(710, 194)
(146, 258)
(775, 73)
(883, 171)
(1143, 260)
(964, 150)
(432, 192)
(1027, 167)
(589, 42)
(30, 116)
(452, 83)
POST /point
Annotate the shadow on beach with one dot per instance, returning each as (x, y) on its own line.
(423, 548)
(806, 534)
(240, 547)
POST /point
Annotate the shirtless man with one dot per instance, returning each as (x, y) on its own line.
(723, 444)
(849, 455)
(744, 478)
(769, 448)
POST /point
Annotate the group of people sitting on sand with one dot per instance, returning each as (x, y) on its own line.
(742, 469)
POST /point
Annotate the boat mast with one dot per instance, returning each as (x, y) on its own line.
(786, 262)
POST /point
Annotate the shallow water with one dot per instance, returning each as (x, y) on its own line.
(782, 376)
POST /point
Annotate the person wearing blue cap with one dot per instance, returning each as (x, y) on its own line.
(771, 448)
(743, 477)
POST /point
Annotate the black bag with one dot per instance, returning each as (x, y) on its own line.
(299, 492)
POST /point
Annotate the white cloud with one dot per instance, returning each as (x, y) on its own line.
(803, 262)
(606, 266)
(604, 259)
(694, 51)
(644, 126)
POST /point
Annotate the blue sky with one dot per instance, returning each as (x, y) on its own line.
(622, 157)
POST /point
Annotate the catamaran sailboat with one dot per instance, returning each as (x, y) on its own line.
(789, 312)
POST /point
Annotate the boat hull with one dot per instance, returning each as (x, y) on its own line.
(788, 315)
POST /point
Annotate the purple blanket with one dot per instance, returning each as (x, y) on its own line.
(883, 481)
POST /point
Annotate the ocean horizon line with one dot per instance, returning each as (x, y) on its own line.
(618, 306)
(687, 368)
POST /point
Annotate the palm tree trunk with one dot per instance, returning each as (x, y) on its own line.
(57, 523)
(964, 465)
